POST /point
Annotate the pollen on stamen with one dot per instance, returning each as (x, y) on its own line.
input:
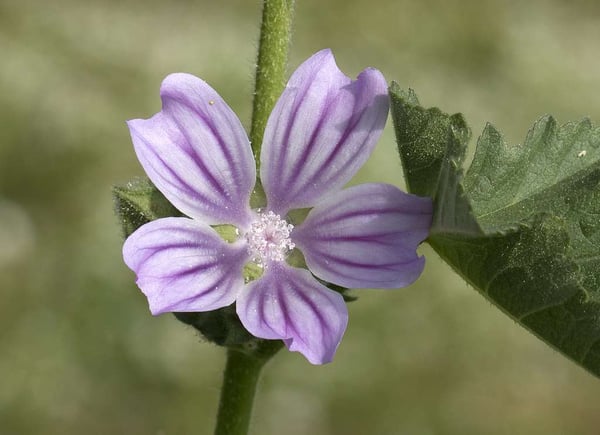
(269, 238)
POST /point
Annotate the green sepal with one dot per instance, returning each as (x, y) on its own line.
(522, 226)
(139, 202)
(223, 328)
(341, 290)
(220, 326)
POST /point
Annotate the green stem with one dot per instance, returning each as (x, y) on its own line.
(244, 365)
(239, 385)
(275, 36)
(237, 395)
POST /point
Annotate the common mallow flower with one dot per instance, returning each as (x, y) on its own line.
(321, 131)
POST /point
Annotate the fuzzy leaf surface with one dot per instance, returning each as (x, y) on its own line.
(522, 225)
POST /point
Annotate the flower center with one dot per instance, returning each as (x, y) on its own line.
(269, 238)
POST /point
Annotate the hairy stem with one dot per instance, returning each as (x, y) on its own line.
(237, 394)
(275, 35)
(244, 365)
(239, 386)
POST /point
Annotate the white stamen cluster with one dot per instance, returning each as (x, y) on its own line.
(269, 238)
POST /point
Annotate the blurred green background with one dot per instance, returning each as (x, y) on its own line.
(79, 351)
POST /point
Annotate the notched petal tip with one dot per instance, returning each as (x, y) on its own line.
(374, 79)
(325, 52)
(182, 265)
(155, 308)
(412, 270)
(196, 152)
(322, 130)
(135, 125)
(290, 305)
(320, 66)
(177, 77)
(366, 236)
(179, 84)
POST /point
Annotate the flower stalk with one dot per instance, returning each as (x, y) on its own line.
(239, 385)
(237, 393)
(242, 369)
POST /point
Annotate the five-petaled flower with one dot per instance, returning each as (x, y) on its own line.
(321, 131)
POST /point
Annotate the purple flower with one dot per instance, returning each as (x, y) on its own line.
(320, 133)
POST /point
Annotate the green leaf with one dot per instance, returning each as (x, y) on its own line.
(522, 225)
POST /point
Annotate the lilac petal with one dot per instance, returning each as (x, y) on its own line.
(196, 152)
(290, 304)
(322, 130)
(366, 236)
(183, 265)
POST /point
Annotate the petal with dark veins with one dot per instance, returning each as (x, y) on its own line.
(366, 236)
(321, 131)
(197, 153)
(289, 304)
(183, 265)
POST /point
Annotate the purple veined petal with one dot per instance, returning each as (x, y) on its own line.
(196, 152)
(321, 131)
(366, 236)
(290, 304)
(183, 265)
